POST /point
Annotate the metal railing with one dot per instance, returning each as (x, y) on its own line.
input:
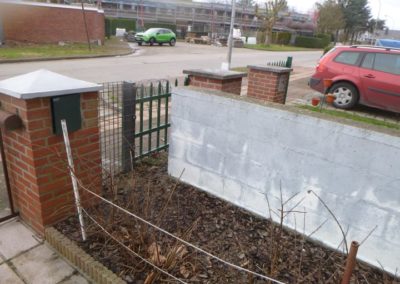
(282, 63)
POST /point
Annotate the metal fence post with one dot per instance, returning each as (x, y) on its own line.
(289, 62)
(128, 125)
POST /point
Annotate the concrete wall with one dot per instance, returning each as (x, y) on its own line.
(242, 151)
(49, 23)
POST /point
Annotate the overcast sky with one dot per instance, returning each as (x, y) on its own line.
(389, 9)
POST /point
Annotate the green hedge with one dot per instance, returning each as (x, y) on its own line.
(325, 38)
(112, 24)
(281, 38)
(312, 42)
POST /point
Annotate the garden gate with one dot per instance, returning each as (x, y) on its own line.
(134, 122)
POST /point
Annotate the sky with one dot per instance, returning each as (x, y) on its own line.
(389, 9)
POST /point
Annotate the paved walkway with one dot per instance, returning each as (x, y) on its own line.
(25, 258)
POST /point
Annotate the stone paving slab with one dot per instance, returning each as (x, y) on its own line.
(41, 265)
(8, 276)
(15, 238)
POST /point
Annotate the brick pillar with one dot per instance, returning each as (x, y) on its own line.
(268, 83)
(225, 81)
(36, 158)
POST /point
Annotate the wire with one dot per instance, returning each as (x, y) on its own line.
(130, 250)
(181, 240)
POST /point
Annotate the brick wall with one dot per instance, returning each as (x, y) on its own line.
(41, 23)
(268, 83)
(232, 86)
(36, 158)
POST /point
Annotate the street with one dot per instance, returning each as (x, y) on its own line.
(156, 62)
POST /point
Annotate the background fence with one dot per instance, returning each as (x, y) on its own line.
(282, 63)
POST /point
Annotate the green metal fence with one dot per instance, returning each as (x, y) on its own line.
(133, 121)
(153, 126)
(282, 63)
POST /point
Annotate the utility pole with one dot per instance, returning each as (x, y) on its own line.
(230, 38)
(86, 28)
(376, 23)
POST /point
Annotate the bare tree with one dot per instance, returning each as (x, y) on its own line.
(272, 9)
(330, 18)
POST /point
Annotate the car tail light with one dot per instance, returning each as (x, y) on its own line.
(321, 66)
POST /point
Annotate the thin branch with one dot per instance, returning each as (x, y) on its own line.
(334, 217)
(369, 234)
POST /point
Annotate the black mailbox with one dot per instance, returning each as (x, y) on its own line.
(66, 107)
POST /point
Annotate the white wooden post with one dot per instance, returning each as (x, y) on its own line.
(73, 178)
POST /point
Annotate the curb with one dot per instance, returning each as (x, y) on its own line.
(92, 269)
(64, 58)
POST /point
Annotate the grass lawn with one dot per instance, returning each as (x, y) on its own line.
(277, 47)
(240, 69)
(112, 46)
(352, 116)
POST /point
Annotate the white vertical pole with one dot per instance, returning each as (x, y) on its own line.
(230, 39)
(73, 178)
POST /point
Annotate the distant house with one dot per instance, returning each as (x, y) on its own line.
(391, 34)
(36, 22)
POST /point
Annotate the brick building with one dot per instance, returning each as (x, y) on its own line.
(204, 18)
(35, 22)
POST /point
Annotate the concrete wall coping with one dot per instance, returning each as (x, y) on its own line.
(184, 91)
(274, 69)
(215, 74)
(43, 83)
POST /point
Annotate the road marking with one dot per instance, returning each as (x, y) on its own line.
(300, 76)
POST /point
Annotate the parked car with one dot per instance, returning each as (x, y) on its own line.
(388, 43)
(368, 75)
(130, 36)
(156, 35)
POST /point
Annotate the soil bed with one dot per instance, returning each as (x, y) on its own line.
(218, 227)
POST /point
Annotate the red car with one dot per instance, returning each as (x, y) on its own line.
(367, 75)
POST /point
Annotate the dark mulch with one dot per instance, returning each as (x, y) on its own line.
(210, 223)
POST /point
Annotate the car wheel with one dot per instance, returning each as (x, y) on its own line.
(172, 42)
(152, 41)
(346, 95)
(160, 44)
(139, 43)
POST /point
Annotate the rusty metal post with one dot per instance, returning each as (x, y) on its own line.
(350, 262)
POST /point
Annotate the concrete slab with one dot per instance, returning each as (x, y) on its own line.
(75, 279)
(41, 265)
(8, 276)
(15, 238)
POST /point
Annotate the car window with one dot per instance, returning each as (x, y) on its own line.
(348, 57)
(368, 61)
(151, 31)
(389, 63)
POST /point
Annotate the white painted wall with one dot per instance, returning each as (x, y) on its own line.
(242, 151)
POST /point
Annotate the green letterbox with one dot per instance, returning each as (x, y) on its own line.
(66, 107)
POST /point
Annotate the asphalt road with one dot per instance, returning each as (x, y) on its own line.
(156, 62)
